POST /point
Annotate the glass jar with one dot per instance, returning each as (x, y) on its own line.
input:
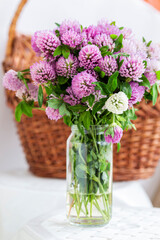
(89, 177)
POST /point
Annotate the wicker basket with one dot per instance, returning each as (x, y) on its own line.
(44, 141)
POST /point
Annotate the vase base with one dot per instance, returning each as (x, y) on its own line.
(90, 221)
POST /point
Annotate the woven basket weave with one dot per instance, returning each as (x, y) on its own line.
(44, 141)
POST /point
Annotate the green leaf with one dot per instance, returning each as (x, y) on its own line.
(25, 83)
(120, 63)
(18, 112)
(58, 25)
(67, 120)
(57, 33)
(21, 108)
(145, 82)
(27, 109)
(113, 23)
(81, 171)
(126, 88)
(120, 118)
(97, 69)
(62, 80)
(120, 54)
(89, 43)
(102, 74)
(65, 51)
(97, 107)
(58, 51)
(121, 28)
(149, 43)
(40, 96)
(63, 110)
(103, 87)
(91, 99)
(25, 70)
(78, 108)
(87, 120)
(104, 50)
(118, 43)
(112, 81)
(113, 36)
(144, 40)
(54, 103)
(145, 63)
(21, 77)
(118, 146)
(158, 75)
(48, 90)
(154, 93)
(110, 131)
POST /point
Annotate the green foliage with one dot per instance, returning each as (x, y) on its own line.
(145, 82)
(154, 92)
(54, 103)
(112, 82)
(158, 75)
(23, 108)
(57, 24)
(78, 108)
(40, 96)
(113, 36)
(58, 51)
(118, 43)
(62, 80)
(104, 50)
(65, 51)
(63, 110)
(126, 88)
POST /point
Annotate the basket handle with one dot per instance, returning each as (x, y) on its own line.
(12, 29)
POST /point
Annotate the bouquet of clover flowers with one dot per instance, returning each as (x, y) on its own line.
(91, 77)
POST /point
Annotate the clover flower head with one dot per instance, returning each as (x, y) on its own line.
(11, 81)
(104, 40)
(154, 51)
(137, 93)
(117, 103)
(67, 67)
(70, 98)
(53, 114)
(82, 84)
(108, 65)
(28, 95)
(71, 39)
(108, 28)
(70, 25)
(42, 72)
(118, 133)
(89, 56)
(46, 41)
(133, 67)
(89, 34)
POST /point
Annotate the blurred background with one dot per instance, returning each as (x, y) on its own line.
(143, 17)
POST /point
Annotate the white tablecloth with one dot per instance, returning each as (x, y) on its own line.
(126, 224)
(24, 197)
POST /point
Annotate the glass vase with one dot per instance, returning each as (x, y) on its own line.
(89, 177)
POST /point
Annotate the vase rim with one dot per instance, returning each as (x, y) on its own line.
(93, 127)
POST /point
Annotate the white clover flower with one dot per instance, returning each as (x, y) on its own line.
(117, 103)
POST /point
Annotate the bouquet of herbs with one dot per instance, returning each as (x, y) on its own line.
(90, 76)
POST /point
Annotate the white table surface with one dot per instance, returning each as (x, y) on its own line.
(25, 197)
(126, 224)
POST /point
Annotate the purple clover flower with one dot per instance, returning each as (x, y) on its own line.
(89, 56)
(42, 72)
(108, 65)
(71, 39)
(45, 42)
(137, 93)
(82, 84)
(70, 98)
(118, 133)
(67, 67)
(104, 40)
(68, 25)
(11, 81)
(132, 67)
(53, 114)
(28, 95)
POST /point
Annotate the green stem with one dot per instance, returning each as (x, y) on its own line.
(43, 109)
